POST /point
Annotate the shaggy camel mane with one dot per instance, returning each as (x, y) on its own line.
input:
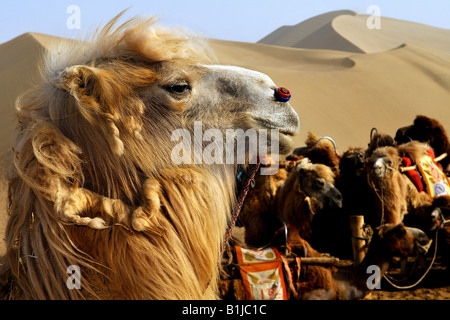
(129, 228)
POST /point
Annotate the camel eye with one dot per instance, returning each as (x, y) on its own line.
(320, 184)
(178, 88)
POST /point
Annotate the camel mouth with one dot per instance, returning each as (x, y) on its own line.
(289, 130)
(360, 171)
(421, 240)
(423, 249)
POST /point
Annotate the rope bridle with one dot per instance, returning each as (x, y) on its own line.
(248, 182)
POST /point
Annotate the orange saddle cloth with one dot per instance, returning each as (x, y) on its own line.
(262, 274)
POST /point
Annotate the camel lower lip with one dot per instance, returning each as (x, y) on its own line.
(287, 133)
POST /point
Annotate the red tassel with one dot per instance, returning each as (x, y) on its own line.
(413, 174)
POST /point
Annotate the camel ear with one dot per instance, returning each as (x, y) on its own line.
(400, 231)
(300, 170)
(423, 122)
(381, 230)
(83, 83)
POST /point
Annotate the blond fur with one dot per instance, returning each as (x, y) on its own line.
(93, 184)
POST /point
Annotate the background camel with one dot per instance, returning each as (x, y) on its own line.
(352, 182)
(428, 130)
(309, 188)
(348, 283)
(258, 215)
(394, 194)
(293, 197)
(320, 150)
(94, 185)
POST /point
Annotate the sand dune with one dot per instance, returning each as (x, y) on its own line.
(347, 31)
(304, 34)
(19, 67)
(345, 79)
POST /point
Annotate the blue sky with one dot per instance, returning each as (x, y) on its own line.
(237, 20)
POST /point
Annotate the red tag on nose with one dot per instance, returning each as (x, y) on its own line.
(282, 94)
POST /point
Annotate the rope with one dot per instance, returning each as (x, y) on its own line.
(390, 281)
(289, 275)
(382, 222)
(371, 133)
(381, 199)
(250, 180)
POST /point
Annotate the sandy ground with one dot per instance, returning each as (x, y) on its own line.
(345, 79)
(435, 286)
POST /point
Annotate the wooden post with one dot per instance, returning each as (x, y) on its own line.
(356, 226)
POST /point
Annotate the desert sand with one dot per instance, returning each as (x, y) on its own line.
(345, 79)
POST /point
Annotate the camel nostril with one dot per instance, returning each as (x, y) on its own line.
(282, 94)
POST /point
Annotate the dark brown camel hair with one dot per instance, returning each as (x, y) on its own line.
(308, 188)
(428, 130)
(258, 215)
(319, 150)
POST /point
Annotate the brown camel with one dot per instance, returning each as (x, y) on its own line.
(349, 283)
(102, 183)
(378, 140)
(428, 130)
(258, 214)
(393, 192)
(309, 188)
(303, 189)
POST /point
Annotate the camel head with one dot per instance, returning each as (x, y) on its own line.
(378, 140)
(398, 240)
(382, 163)
(427, 130)
(317, 181)
(352, 163)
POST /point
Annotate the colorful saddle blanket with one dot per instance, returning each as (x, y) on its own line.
(262, 274)
(431, 178)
